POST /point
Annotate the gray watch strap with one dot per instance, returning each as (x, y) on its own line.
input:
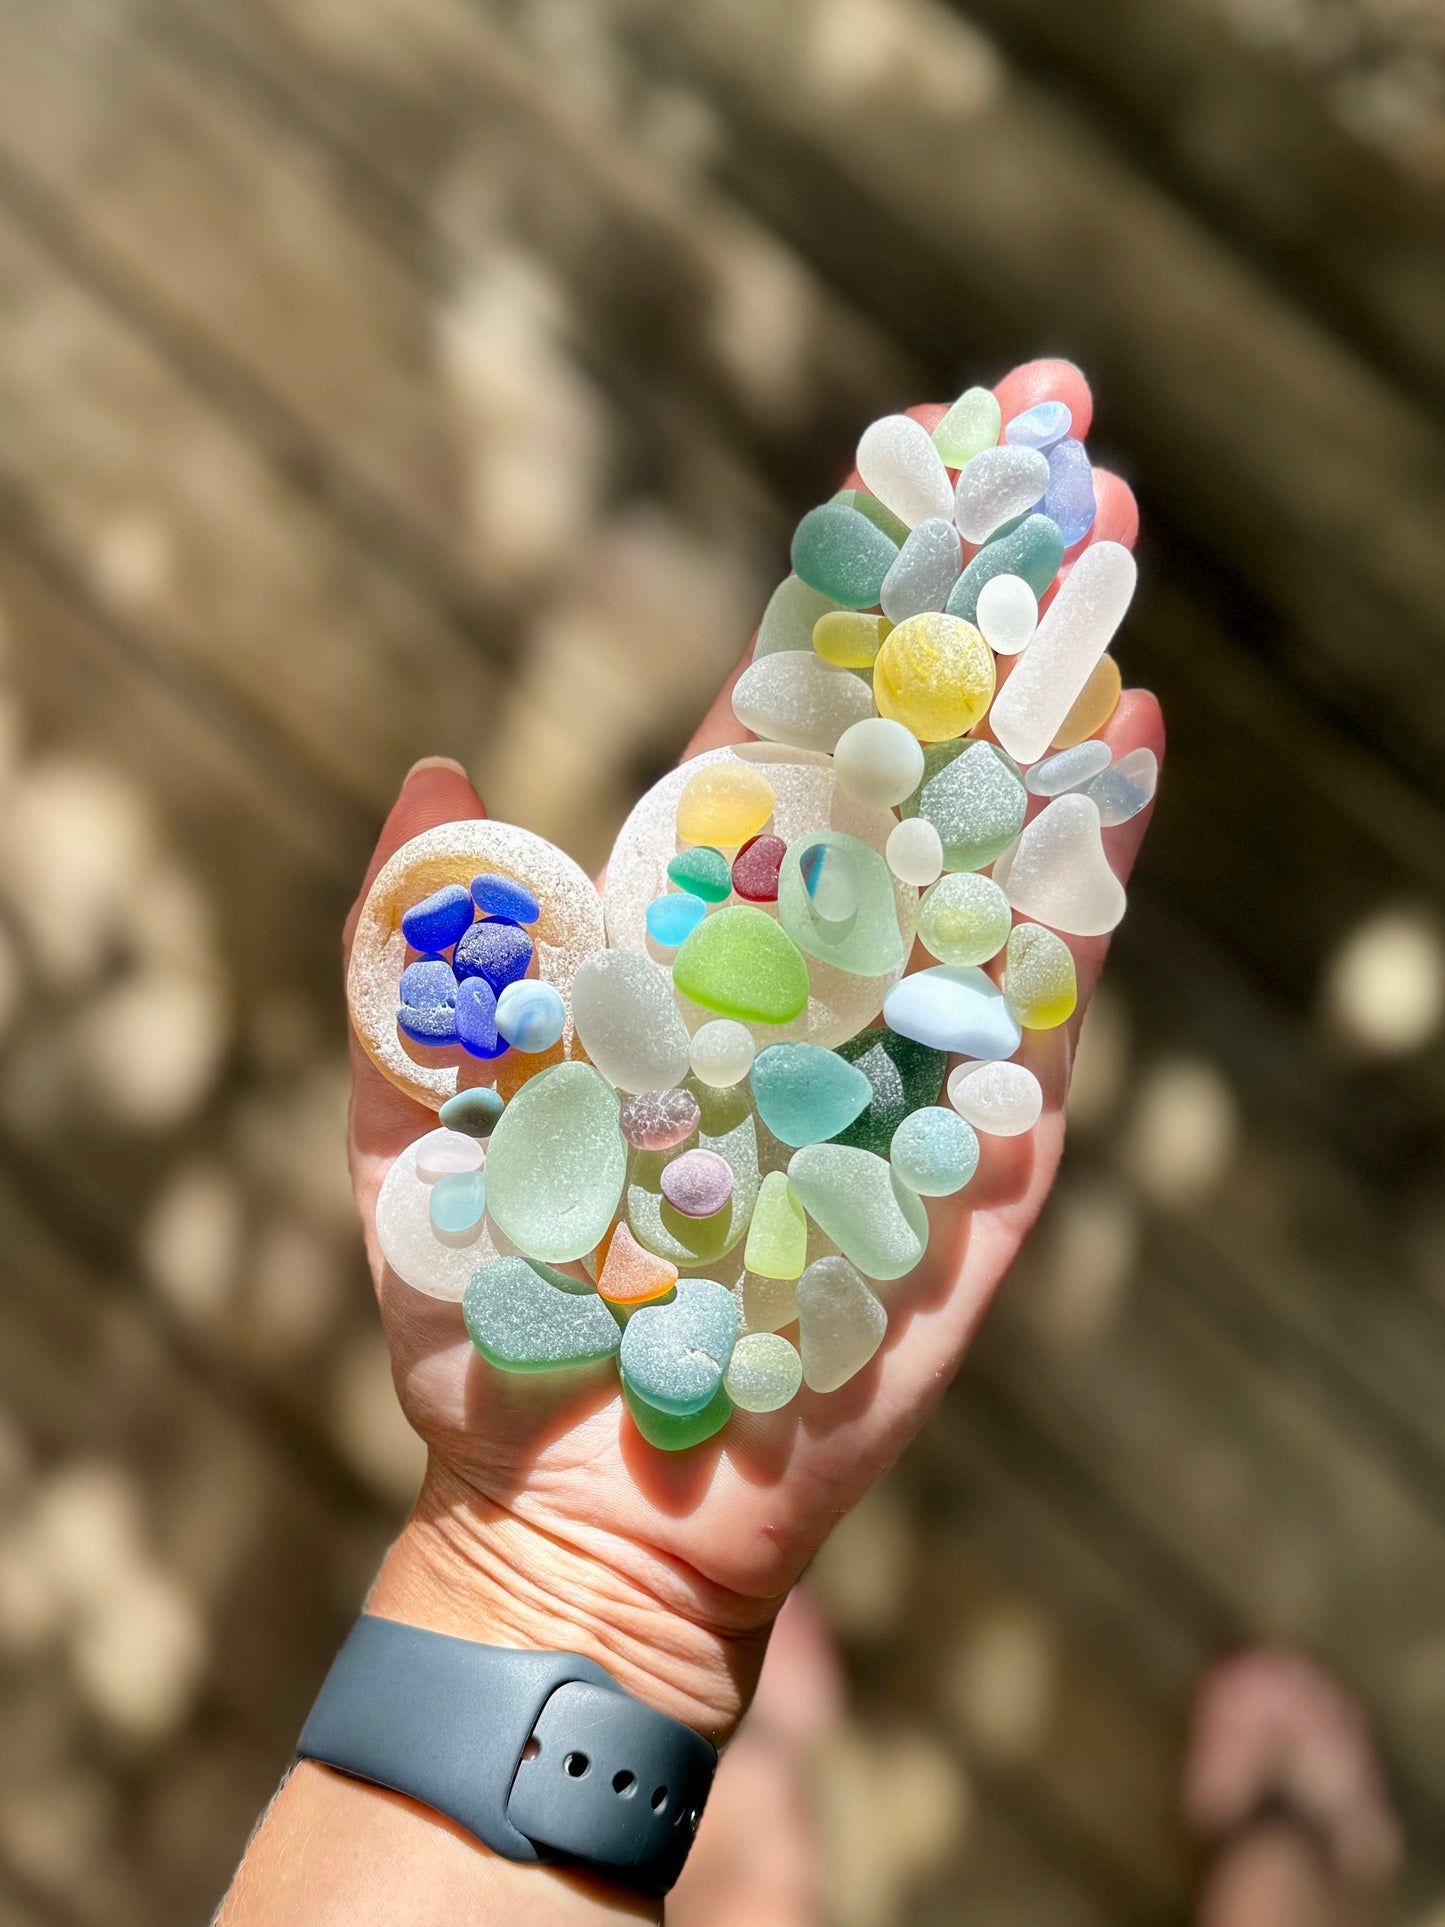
(540, 1755)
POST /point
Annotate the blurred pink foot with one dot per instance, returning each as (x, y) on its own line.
(758, 1857)
(1282, 1778)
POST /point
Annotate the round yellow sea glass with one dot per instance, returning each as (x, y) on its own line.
(724, 806)
(1094, 705)
(1039, 982)
(935, 675)
(849, 638)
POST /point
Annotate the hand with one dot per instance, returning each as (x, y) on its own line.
(544, 1520)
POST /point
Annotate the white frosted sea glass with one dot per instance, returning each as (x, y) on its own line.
(1073, 634)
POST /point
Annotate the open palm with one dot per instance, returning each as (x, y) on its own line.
(671, 1567)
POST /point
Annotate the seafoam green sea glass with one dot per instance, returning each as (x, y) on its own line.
(934, 1152)
(556, 1164)
(969, 427)
(526, 1317)
(1033, 550)
(964, 918)
(668, 1432)
(674, 1354)
(867, 944)
(882, 517)
(793, 612)
(740, 963)
(805, 1094)
(799, 699)
(974, 796)
(903, 1076)
(840, 1323)
(764, 1373)
(854, 1199)
(843, 554)
(777, 1244)
(725, 1125)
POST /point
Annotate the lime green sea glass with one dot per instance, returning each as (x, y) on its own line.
(740, 963)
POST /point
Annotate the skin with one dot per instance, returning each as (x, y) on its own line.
(545, 1521)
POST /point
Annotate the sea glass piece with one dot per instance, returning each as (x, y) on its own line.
(878, 513)
(777, 1245)
(830, 877)
(723, 805)
(428, 984)
(849, 638)
(674, 1355)
(1072, 635)
(1032, 551)
(1093, 706)
(628, 1022)
(474, 1111)
(805, 1094)
(698, 1183)
(974, 796)
(556, 1164)
(703, 872)
(799, 700)
(458, 1203)
(852, 1196)
(867, 944)
(1041, 426)
(1048, 379)
(899, 464)
(740, 963)
(998, 1100)
(953, 1007)
(964, 919)
(672, 918)
(903, 1076)
(531, 1016)
(1069, 499)
(996, 486)
(1057, 872)
(476, 1018)
(934, 1152)
(928, 565)
(1008, 614)
(630, 1274)
(935, 675)
(1039, 980)
(764, 1373)
(878, 762)
(656, 1120)
(726, 1126)
(496, 895)
(497, 951)
(915, 852)
(840, 1323)
(843, 555)
(669, 1432)
(526, 1317)
(417, 1252)
(1070, 769)
(1125, 789)
(791, 616)
(722, 1053)
(765, 1304)
(969, 427)
(443, 1151)
(755, 869)
(439, 920)
(433, 1024)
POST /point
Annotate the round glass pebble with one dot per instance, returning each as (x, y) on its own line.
(964, 918)
(935, 675)
(531, 1016)
(672, 918)
(698, 1184)
(998, 1099)
(1008, 614)
(915, 852)
(764, 1373)
(934, 1152)
(879, 762)
(722, 1053)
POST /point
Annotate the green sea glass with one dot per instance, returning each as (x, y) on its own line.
(740, 963)
(882, 517)
(777, 1244)
(1032, 548)
(674, 1354)
(843, 554)
(702, 872)
(904, 1076)
(793, 612)
(805, 1094)
(866, 944)
(854, 1199)
(974, 796)
(969, 427)
(525, 1317)
(670, 1433)
(556, 1164)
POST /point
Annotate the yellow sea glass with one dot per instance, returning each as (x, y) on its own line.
(1040, 988)
(724, 806)
(850, 638)
(1094, 705)
(935, 675)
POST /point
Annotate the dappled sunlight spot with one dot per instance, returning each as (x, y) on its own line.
(1384, 988)
(149, 1048)
(865, 1567)
(32, 1610)
(139, 1655)
(190, 1241)
(89, 1529)
(1090, 1242)
(367, 1422)
(1101, 1062)
(580, 49)
(1183, 1132)
(294, 1291)
(762, 324)
(132, 558)
(1001, 1682)
(880, 50)
(292, 1142)
(894, 1808)
(679, 127)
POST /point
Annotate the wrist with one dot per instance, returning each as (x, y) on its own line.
(467, 1566)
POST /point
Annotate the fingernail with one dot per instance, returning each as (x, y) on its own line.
(435, 762)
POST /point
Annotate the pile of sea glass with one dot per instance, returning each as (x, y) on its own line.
(721, 1101)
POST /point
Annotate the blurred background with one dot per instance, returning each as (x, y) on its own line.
(380, 377)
